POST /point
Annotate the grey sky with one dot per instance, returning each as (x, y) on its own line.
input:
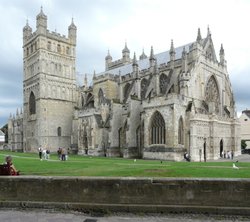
(107, 24)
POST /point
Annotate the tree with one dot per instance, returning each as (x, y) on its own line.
(243, 144)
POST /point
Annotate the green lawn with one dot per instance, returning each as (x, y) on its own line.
(30, 164)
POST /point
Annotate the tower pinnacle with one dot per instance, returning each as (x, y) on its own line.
(198, 39)
(126, 54)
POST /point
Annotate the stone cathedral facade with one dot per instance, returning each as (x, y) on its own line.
(154, 107)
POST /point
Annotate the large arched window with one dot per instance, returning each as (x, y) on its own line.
(100, 96)
(157, 129)
(144, 84)
(164, 81)
(212, 93)
(181, 132)
(32, 103)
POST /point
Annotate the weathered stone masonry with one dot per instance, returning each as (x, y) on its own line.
(157, 107)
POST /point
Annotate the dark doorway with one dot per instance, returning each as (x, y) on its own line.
(221, 148)
(85, 143)
(104, 149)
(205, 151)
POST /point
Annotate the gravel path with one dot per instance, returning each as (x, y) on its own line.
(53, 216)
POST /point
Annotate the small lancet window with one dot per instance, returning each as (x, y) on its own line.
(181, 132)
(59, 131)
(49, 45)
(32, 103)
(59, 48)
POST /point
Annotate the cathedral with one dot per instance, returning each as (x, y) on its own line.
(159, 106)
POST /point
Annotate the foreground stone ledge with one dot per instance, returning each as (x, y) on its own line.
(104, 194)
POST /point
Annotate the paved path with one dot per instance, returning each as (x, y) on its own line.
(50, 216)
(240, 158)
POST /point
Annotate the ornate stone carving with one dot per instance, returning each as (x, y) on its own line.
(212, 94)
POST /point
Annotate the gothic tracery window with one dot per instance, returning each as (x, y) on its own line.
(212, 93)
(157, 129)
(180, 132)
(164, 81)
(32, 103)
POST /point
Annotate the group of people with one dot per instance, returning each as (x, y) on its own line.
(8, 168)
(62, 154)
(43, 153)
(227, 154)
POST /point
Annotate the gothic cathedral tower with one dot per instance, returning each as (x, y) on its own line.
(49, 86)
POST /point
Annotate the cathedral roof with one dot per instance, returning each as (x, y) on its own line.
(161, 58)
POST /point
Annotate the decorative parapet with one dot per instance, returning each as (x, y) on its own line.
(52, 35)
(199, 116)
(105, 76)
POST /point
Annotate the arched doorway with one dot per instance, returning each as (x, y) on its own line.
(85, 142)
(221, 148)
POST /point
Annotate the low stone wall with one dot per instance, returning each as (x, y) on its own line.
(163, 195)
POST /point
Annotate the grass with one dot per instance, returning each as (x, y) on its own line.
(29, 164)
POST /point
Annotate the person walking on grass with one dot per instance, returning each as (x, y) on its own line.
(40, 152)
(63, 156)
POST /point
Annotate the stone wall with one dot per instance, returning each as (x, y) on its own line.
(158, 195)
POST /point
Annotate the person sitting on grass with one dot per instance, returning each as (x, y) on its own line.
(186, 157)
(11, 167)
